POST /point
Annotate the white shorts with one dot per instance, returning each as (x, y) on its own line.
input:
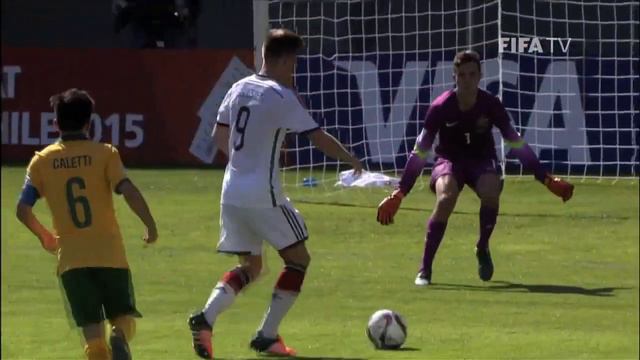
(243, 229)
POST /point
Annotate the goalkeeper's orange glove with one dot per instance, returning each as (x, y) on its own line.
(389, 207)
(559, 187)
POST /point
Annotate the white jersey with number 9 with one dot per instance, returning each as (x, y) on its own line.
(259, 112)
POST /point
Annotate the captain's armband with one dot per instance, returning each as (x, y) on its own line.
(518, 144)
(422, 154)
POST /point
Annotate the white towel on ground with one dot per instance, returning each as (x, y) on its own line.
(366, 179)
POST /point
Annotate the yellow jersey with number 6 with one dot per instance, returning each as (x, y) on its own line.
(77, 178)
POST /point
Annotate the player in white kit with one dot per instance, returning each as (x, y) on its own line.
(253, 119)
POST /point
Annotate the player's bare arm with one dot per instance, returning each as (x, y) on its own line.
(139, 206)
(221, 137)
(24, 213)
(333, 148)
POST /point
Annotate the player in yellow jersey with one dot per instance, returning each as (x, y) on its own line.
(77, 177)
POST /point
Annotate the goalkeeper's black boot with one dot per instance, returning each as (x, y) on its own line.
(485, 265)
(119, 347)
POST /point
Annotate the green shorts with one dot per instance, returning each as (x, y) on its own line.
(98, 293)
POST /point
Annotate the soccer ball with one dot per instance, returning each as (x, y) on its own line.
(387, 329)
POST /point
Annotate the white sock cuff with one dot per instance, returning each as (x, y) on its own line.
(222, 296)
(227, 288)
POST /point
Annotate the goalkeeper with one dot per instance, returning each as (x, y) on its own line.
(463, 118)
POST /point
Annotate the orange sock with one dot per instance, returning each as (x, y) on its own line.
(97, 349)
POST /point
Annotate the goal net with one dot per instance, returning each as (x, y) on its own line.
(567, 72)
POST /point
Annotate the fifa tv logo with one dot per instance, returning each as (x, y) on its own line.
(535, 45)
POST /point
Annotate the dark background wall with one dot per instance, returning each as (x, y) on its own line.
(89, 24)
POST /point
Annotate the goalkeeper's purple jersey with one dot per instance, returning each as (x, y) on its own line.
(466, 134)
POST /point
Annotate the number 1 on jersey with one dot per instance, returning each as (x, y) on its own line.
(241, 124)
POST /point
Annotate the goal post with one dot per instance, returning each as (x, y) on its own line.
(567, 72)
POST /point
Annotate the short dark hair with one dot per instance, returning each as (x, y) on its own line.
(73, 109)
(466, 56)
(281, 42)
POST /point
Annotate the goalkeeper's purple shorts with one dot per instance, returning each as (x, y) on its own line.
(466, 171)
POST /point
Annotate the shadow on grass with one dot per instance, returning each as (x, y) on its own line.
(404, 348)
(506, 286)
(300, 357)
(427, 210)
(267, 357)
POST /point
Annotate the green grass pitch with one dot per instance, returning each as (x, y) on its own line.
(565, 285)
